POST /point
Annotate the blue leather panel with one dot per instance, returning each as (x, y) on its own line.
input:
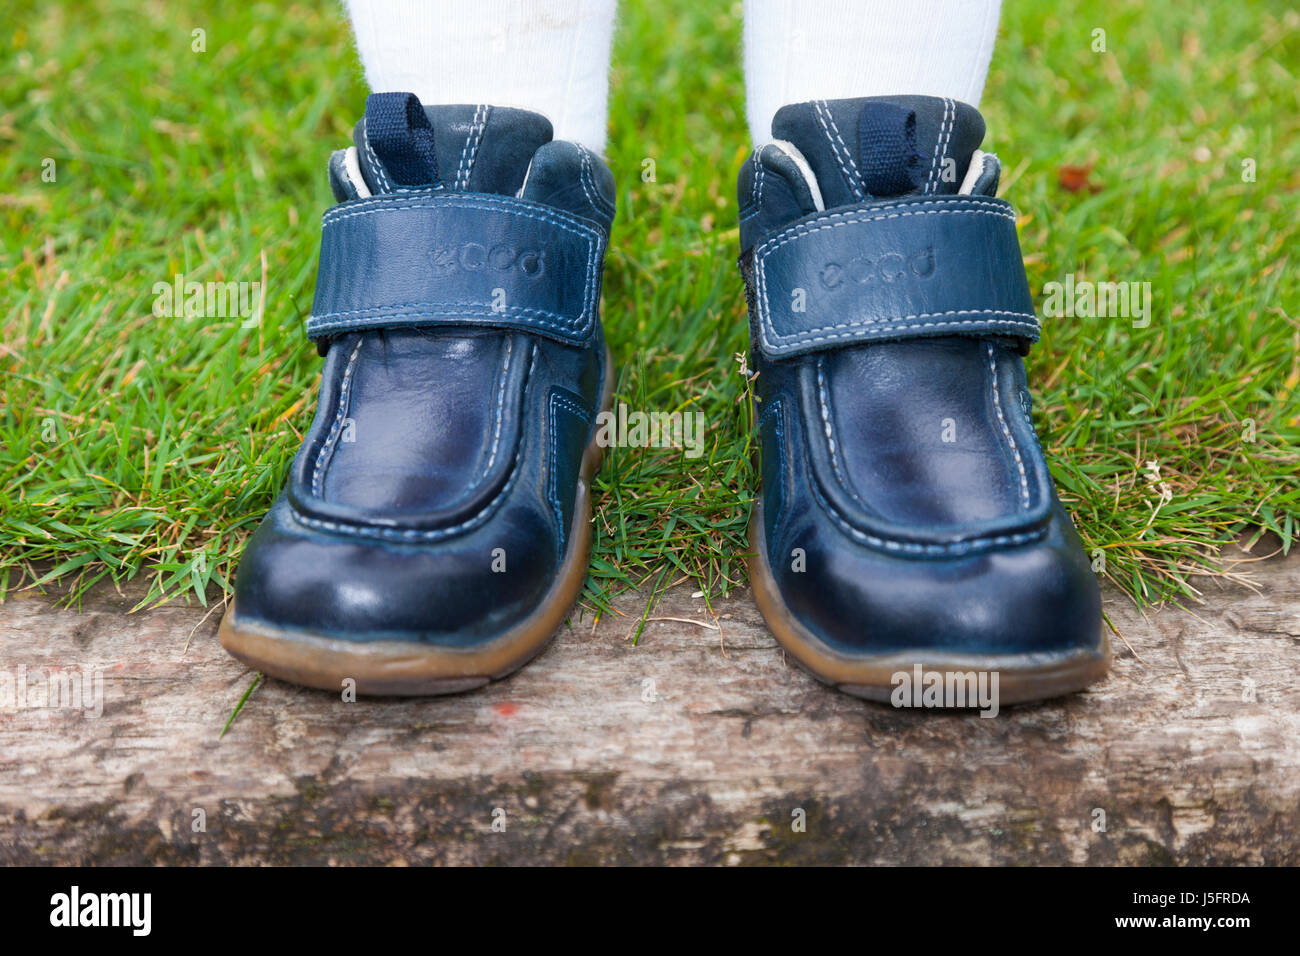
(884, 271)
(427, 258)
(568, 426)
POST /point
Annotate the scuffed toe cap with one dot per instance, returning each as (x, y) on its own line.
(1039, 599)
(459, 592)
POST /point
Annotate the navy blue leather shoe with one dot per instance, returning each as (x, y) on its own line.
(907, 516)
(435, 526)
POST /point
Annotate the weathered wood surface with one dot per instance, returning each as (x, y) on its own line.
(589, 767)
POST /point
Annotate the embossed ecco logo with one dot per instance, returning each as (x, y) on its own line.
(476, 257)
(887, 268)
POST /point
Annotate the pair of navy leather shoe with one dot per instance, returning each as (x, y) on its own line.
(435, 526)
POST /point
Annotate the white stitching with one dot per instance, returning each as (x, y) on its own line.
(552, 487)
(830, 431)
(992, 207)
(968, 546)
(568, 224)
(500, 416)
(345, 393)
(776, 410)
(410, 534)
(380, 311)
(955, 324)
(965, 207)
(415, 534)
(582, 178)
(852, 178)
(367, 207)
(345, 398)
(1006, 431)
(501, 402)
(938, 142)
(464, 152)
(947, 142)
(478, 141)
(375, 164)
(587, 179)
(577, 334)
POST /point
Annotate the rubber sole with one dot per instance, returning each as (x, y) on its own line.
(1021, 677)
(408, 669)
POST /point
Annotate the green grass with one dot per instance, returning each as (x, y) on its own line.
(132, 445)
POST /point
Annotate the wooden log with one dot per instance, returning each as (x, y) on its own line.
(699, 745)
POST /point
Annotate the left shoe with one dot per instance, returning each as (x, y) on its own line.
(907, 517)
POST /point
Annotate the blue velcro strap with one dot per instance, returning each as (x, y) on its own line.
(892, 270)
(434, 258)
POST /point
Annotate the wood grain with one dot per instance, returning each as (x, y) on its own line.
(697, 746)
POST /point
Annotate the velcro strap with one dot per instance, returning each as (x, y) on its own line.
(440, 258)
(880, 271)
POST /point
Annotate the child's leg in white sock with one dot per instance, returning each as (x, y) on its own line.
(800, 50)
(549, 56)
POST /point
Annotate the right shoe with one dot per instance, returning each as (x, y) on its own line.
(435, 526)
(907, 517)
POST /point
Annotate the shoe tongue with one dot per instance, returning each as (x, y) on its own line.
(870, 149)
(484, 149)
(881, 146)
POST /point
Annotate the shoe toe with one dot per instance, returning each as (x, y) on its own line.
(460, 592)
(1036, 600)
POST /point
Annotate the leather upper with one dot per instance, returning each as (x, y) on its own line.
(906, 502)
(916, 267)
(431, 257)
(457, 309)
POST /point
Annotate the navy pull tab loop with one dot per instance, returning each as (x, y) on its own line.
(399, 134)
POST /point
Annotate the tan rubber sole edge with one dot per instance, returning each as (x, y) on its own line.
(400, 668)
(1020, 678)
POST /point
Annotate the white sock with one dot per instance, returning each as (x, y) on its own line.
(548, 56)
(800, 50)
